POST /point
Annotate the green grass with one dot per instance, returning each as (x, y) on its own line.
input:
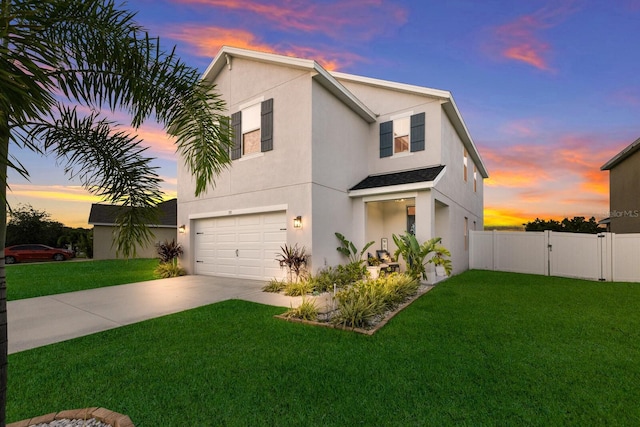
(482, 348)
(34, 280)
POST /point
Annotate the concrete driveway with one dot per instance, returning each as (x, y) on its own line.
(35, 322)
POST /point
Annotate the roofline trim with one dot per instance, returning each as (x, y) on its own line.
(226, 53)
(622, 155)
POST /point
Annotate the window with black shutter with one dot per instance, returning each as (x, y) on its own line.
(402, 135)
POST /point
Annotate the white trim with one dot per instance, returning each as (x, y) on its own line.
(387, 197)
(245, 211)
(250, 156)
(392, 189)
(402, 115)
(402, 154)
(403, 87)
(251, 103)
(107, 224)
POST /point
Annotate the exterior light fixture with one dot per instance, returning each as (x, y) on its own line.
(297, 222)
(182, 229)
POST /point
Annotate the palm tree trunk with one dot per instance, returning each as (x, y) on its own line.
(4, 345)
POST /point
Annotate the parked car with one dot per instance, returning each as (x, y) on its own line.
(33, 252)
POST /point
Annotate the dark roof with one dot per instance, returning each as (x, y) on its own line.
(399, 178)
(106, 214)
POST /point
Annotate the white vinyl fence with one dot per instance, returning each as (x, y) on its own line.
(604, 256)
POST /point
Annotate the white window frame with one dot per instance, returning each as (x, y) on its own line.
(394, 119)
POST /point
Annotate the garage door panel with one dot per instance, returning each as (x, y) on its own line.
(243, 246)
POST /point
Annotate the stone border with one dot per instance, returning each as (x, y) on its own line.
(101, 414)
(369, 332)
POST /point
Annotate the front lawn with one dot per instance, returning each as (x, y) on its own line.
(483, 348)
(48, 278)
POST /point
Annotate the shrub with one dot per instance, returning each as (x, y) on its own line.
(296, 289)
(294, 258)
(348, 249)
(398, 287)
(341, 276)
(168, 250)
(307, 310)
(165, 270)
(359, 304)
(274, 285)
(357, 307)
(414, 254)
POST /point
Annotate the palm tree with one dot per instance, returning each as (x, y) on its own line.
(65, 65)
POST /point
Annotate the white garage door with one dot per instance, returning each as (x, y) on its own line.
(243, 246)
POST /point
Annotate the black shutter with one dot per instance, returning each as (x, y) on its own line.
(236, 127)
(417, 132)
(266, 125)
(386, 139)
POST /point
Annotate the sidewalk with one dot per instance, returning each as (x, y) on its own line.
(35, 322)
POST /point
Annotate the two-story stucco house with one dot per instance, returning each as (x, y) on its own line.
(319, 152)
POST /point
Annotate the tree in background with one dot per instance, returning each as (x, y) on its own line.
(78, 239)
(29, 225)
(576, 225)
(65, 66)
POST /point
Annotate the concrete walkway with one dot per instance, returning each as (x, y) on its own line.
(35, 322)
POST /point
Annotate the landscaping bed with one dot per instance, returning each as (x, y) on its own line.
(327, 311)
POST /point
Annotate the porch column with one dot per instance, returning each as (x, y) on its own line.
(425, 216)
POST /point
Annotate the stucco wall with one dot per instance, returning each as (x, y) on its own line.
(624, 197)
(103, 239)
(278, 177)
(340, 140)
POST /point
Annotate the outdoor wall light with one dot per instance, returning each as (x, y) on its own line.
(182, 229)
(297, 222)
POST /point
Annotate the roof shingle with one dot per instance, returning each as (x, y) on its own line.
(399, 178)
(106, 214)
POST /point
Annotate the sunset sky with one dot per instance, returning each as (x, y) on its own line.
(549, 90)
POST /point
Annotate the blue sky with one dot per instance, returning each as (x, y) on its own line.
(548, 89)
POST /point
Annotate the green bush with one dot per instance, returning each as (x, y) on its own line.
(296, 289)
(341, 276)
(307, 310)
(274, 285)
(359, 304)
(398, 287)
(169, 269)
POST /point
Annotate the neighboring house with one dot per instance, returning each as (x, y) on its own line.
(103, 219)
(318, 152)
(624, 190)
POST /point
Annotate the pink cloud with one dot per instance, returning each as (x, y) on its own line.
(206, 41)
(330, 18)
(522, 39)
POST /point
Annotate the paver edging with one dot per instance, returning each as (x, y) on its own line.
(106, 416)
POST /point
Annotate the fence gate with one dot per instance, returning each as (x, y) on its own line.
(582, 256)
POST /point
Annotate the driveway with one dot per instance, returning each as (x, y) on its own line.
(35, 322)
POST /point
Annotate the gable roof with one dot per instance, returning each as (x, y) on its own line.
(622, 155)
(416, 178)
(330, 81)
(106, 214)
(225, 56)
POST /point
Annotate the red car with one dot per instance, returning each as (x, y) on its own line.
(33, 252)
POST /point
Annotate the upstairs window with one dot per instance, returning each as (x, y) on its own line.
(252, 129)
(475, 178)
(464, 164)
(402, 135)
